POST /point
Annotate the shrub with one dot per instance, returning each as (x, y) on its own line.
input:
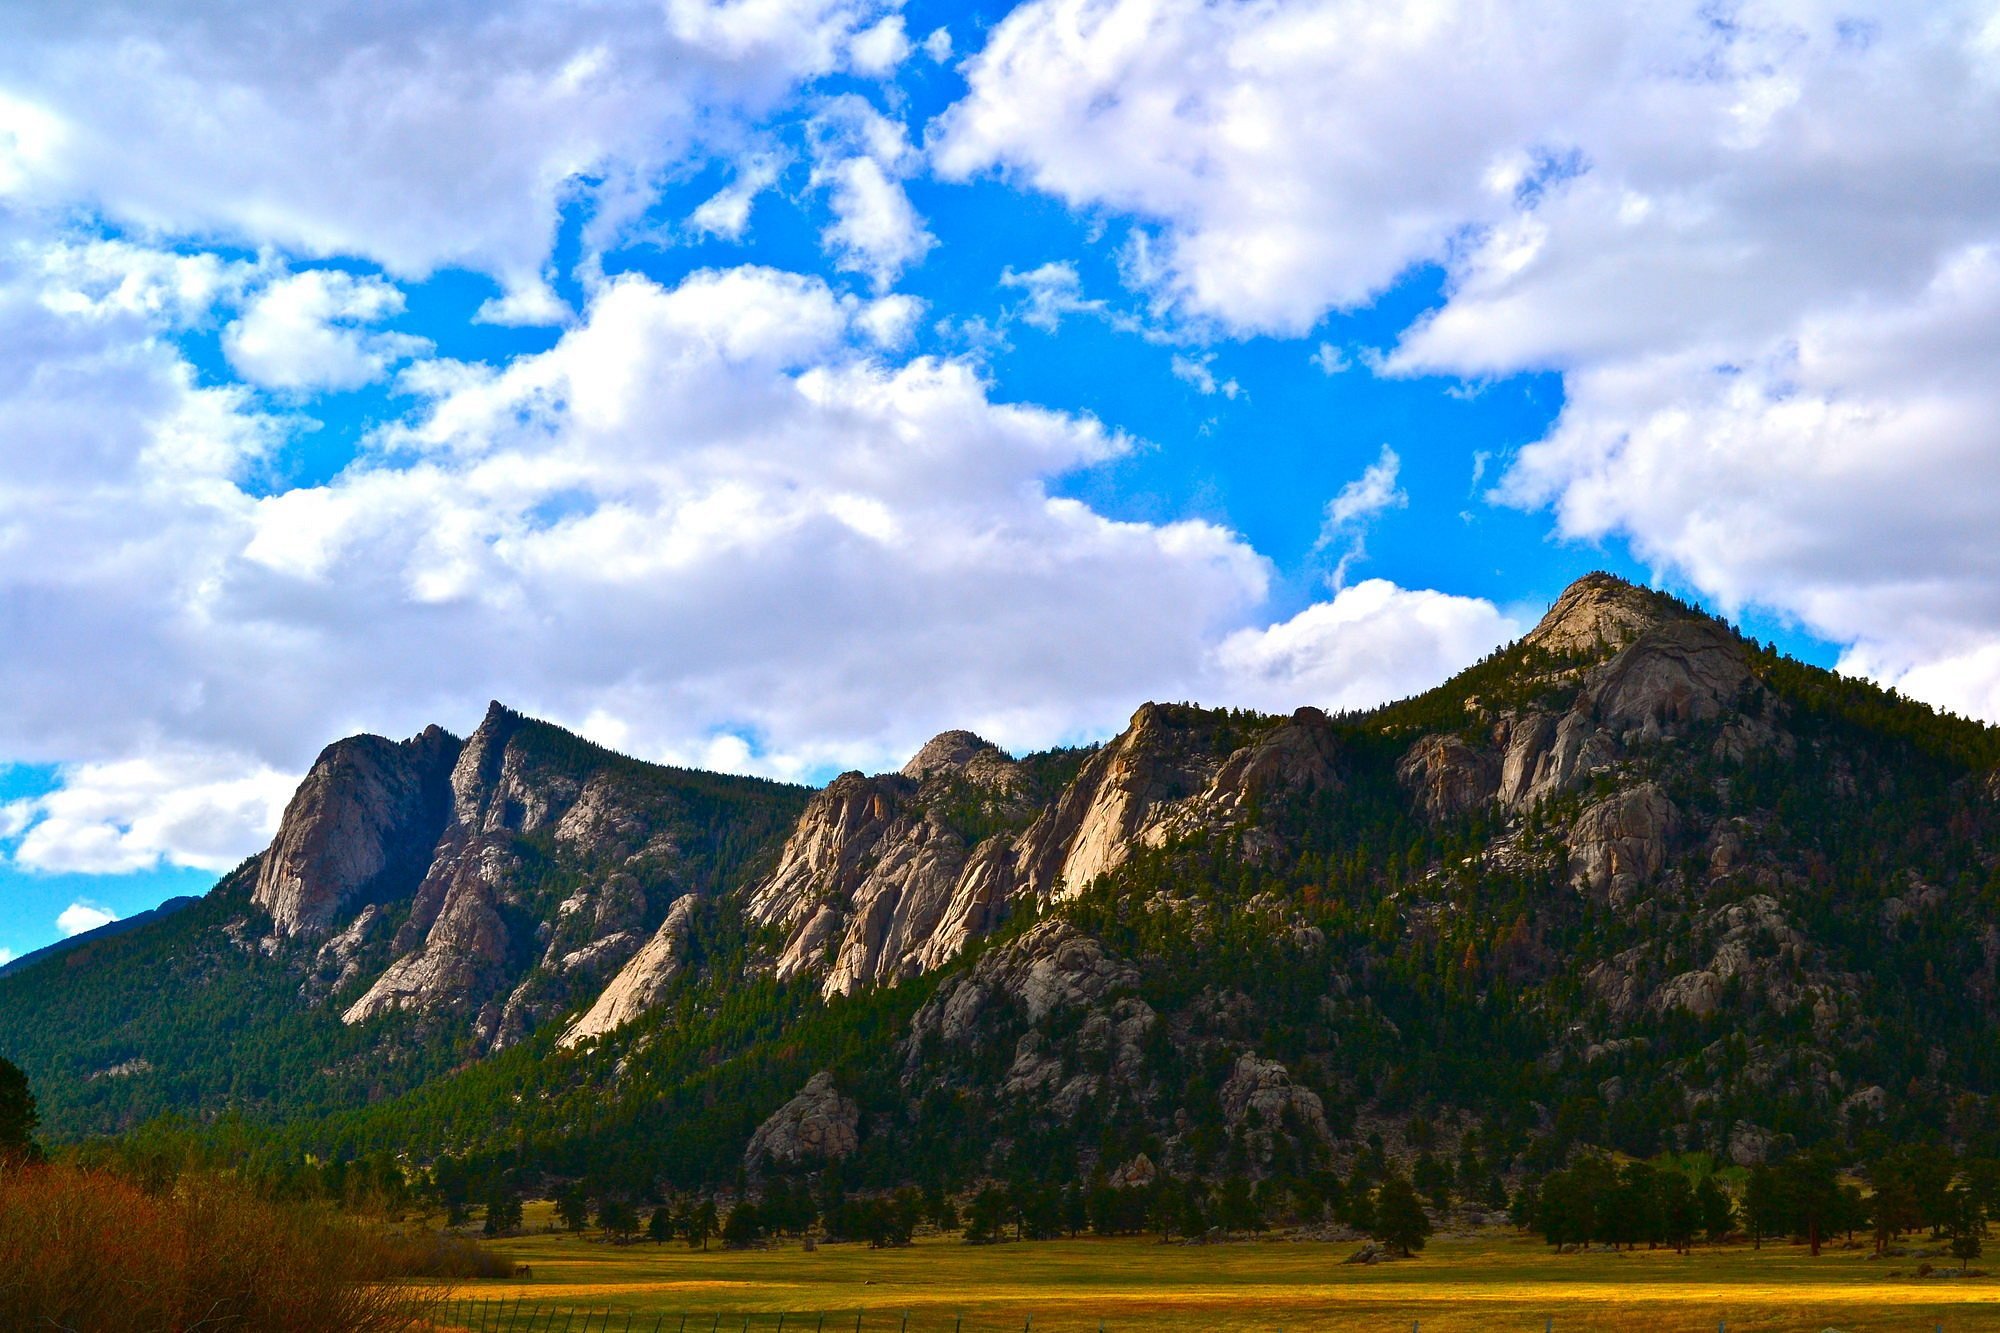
(90, 1250)
(438, 1255)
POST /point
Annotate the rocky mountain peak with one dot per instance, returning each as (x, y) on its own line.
(360, 826)
(961, 752)
(1602, 613)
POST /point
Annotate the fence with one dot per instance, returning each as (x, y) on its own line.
(523, 1316)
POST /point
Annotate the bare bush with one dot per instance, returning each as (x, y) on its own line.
(90, 1250)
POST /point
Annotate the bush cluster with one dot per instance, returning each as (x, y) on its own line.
(91, 1250)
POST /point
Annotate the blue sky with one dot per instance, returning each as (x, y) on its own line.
(770, 388)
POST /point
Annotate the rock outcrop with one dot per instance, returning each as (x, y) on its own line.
(1600, 614)
(819, 1125)
(1619, 844)
(360, 828)
(478, 941)
(875, 884)
(643, 980)
(1165, 776)
(1658, 670)
(1260, 1101)
(1052, 966)
(1449, 777)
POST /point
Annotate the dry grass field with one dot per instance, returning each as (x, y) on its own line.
(1458, 1285)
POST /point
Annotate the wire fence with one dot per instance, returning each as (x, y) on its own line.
(524, 1316)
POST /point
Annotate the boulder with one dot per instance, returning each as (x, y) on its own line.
(1136, 1174)
(818, 1125)
(1260, 1098)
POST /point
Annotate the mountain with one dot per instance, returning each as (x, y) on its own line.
(103, 932)
(1633, 881)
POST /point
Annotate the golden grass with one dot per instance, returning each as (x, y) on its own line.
(1459, 1285)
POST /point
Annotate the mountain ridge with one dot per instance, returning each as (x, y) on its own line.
(1632, 880)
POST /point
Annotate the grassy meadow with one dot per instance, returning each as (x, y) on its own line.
(1500, 1282)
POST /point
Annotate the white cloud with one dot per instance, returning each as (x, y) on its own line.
(306, 331)
(1198, 369)
(1350, 513)
(1285, 151)
(1331, 360)
(80, 917)
(889, 321)
(1371, 643)
(726, 213)
(1053, 290)
(1368, 494)
(112, 279)
(1846, 477)
(860, 158)
(876, 51)
(418, 135)
(938, 45)
(1759, 249)
(190, 808)
(712, 523)
(6, 957)
(15, 816)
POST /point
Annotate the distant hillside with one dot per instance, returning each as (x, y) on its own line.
(104, 932)
(1634, 881)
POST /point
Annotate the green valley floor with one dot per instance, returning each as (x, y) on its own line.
(1499, 1283)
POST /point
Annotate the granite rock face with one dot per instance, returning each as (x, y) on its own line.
(875, 885)
(1632, 668)
(1260, 1100)
(1597, 615)
(1165, 777)
(360, 828)
(1051, 966)
(479, 942)
(819, 1125)
(643, 980)
(1619, 844)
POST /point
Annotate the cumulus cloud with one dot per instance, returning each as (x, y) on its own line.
(417, 135)
(860, 158)
(1279, 149)
(1370, 643)
(877, 50)
(1846, 476)
(307, 331)
(1759, 250)
(714, 523)
(192, 808)
(80, 917)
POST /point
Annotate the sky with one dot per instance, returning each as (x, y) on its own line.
(767, 385)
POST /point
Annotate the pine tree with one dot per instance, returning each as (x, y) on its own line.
(1400, 1220)
(18, 1116)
